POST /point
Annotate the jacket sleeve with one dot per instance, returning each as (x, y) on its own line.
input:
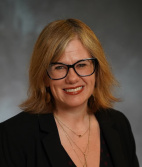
(11, 154)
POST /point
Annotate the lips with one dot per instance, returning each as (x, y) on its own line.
(74, 90)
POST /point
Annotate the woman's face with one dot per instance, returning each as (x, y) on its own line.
(73, 90)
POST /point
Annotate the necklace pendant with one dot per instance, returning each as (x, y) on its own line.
(79, 135)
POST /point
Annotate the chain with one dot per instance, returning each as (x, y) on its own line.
(70, 139)
(79, 135)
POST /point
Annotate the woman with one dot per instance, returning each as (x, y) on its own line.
(68, 118)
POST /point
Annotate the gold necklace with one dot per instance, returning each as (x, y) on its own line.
(79, 135)
(70, 139)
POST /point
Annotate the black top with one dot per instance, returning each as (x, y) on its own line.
(105, 157)
(32, 140)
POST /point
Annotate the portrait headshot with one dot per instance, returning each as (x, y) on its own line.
(70, 85)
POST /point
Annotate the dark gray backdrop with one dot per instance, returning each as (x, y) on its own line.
(118, 25)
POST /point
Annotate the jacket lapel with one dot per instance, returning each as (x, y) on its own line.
(51, 141)
(55, 152)
(112, 139)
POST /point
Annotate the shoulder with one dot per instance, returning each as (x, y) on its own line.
(111, 115)
(20, 120)
(18, 127)
(111, 119)
(114, 118)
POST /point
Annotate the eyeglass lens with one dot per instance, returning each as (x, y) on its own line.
(84, 67)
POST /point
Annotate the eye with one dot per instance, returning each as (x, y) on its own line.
(81, 65)
(57, 67)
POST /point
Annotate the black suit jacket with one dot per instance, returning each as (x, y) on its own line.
(32, 140)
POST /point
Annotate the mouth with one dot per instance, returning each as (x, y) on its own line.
(74, 91)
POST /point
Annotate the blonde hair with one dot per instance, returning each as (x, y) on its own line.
(50, 45)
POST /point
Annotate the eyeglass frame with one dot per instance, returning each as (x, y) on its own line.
(73, 66)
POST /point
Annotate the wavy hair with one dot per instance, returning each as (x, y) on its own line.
(48, 48)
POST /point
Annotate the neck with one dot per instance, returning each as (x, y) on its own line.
(74, 117)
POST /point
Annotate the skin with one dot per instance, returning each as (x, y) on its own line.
(64, 100)
(71, 107)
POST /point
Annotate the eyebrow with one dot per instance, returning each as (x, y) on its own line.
(73, 63)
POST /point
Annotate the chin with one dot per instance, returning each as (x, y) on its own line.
(75, 103)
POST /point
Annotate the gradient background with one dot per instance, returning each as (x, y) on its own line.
(118, 25)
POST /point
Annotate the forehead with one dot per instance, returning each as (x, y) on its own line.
(73, 52)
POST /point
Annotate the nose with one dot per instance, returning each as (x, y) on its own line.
(72, 77)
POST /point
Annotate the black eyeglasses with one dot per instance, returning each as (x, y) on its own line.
(82, 68)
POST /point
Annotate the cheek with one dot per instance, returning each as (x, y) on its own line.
(55, 87)
(92, 83)
(92, 80)
(52, 88)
